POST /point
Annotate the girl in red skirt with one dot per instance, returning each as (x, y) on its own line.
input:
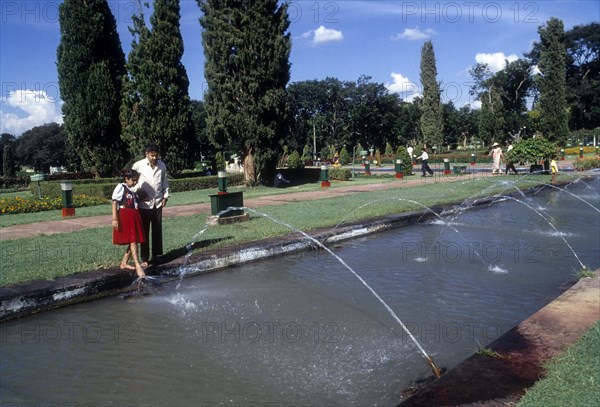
(126, 221)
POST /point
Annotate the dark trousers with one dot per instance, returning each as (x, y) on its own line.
(151, 218)
(425, 167)
(510, 166)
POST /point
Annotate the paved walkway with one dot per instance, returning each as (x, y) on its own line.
(79, 223)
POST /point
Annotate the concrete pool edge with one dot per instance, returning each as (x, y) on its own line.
(500, 381)
(29, 298)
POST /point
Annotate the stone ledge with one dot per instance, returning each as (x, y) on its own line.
(501, 381)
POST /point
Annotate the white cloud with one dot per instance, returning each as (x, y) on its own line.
(414, 34)
(407, 89)
(323, 35)
(39, 108)
(496, 61)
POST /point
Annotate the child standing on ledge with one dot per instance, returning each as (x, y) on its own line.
(126, 221)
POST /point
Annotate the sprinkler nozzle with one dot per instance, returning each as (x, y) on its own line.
(437, 372)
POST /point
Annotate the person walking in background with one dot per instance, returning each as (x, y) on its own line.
(153, 190)
(553, 169)
(510, 166)
(127, 222)
(496, 154)
(424, 157)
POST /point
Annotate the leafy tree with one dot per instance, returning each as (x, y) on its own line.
(91, 66)
(247, 47)
(45, 146)
(157, 107)
(491, 121)
(583, 76)
(409, 123)
(306, 153)
(8, 162)
(432, 125)
(552, 82)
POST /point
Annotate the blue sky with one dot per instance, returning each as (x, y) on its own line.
(341, 39)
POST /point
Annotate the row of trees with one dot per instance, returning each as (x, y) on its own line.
(114, 106)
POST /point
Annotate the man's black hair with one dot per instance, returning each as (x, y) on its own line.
(152, 148)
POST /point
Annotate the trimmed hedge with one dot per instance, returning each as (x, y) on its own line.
(340, 174)
(103, 188)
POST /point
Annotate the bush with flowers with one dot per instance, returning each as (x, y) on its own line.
(586, 163)
(12, 205)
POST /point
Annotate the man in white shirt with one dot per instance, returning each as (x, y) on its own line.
(424, 157)
(153, 189)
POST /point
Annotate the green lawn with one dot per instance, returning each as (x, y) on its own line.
(573, 378)
(50, 256)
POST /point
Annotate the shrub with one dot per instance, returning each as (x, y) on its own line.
(532, 150)
(340, 174)
(103, 188)
(406, 162)
(586, 163)
(344, 156)
(13, 182)
(294, 160)
(17, 204)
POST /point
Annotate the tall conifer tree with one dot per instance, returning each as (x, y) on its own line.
(552, 82)
(91, 66)
(432, 119)
(156, 105)
(247, 48)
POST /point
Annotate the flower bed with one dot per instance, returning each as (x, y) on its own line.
(12, 205)
(586, 163)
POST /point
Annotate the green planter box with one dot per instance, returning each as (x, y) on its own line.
(221, 202)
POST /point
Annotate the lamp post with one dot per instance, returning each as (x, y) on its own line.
(399, 173)
(222, 182)
(324, 177)
(66, 189)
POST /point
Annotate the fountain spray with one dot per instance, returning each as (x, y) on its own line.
(436, 370)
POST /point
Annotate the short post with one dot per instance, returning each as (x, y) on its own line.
(580, 152)
(597, 152)
(399, 173)
(222, 182)
(37, 178)
(66, 189)
(446, 166)
(562, 154)
(324, 177)
(472, 159)
(367, 167)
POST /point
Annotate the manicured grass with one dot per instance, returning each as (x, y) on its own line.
(573, 378)
(50, 256)
(178, 198)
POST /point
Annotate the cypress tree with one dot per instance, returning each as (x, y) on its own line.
(247, 47)
(432, 120)
(156, 105)
(552, 82)
(8, 162)
(91, 66)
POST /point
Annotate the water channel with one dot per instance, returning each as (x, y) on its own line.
(300, 330)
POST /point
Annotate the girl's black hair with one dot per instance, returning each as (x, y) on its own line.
(130, 173)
